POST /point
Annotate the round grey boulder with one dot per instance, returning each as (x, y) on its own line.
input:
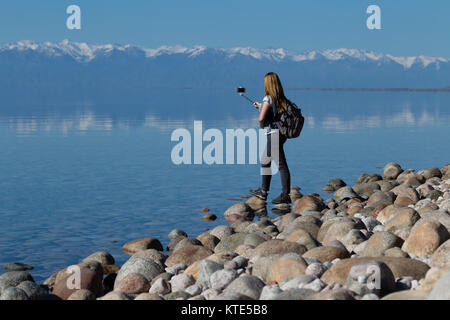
(176, 233)
(12, 293)
(103, 257)
(371, 277)
(391, 171)
(207, 268)
(186, 242)
(333, 185)
(345, 193)
(220, 279)
(151, 254)
(221, 232)
(13, 279)
(181, 281)
(270, 292)
(239, 211)
(231, 242)
(246, 285)
(146, 267)
(32, 289)
(315, 269)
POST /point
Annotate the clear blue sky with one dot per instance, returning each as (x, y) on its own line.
(409, 27)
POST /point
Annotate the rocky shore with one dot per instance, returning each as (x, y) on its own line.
(385, 237)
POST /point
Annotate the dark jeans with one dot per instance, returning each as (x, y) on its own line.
(282, 164)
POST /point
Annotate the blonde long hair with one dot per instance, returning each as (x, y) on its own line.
(274, 89)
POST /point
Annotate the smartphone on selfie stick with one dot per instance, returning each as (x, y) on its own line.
(241, 91)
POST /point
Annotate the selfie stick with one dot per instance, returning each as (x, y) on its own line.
(241, 91)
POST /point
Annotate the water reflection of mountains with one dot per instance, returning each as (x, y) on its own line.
(168, 109)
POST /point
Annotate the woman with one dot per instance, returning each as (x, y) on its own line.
(274, 103)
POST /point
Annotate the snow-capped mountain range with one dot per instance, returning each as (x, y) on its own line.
(68, 64)
(83, 52)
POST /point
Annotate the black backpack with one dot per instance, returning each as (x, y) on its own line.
(290, 121)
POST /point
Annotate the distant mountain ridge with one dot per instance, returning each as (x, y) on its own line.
(83, 52)
(82, 66)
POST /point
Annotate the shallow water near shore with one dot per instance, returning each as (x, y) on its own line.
(76, 176)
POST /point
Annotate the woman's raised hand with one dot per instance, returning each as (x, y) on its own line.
(257, 105)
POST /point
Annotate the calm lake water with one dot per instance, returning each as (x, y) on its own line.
(76, 174)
